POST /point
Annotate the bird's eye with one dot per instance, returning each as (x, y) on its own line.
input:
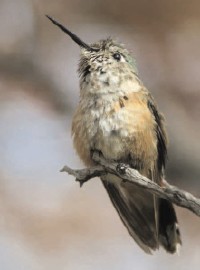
(117, 56)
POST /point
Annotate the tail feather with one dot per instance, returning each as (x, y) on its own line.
(169, 233)
(136, 213)
(140, 214)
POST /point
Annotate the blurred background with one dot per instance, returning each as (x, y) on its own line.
(46, 220)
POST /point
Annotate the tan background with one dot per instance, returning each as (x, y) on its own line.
(46, 221)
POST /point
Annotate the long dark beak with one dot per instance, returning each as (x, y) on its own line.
(75, 38)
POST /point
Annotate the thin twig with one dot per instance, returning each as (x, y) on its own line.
(83, 175)
(127, 174)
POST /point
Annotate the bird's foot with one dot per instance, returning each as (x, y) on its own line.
(121, 168)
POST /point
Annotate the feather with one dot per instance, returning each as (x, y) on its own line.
(135, 208)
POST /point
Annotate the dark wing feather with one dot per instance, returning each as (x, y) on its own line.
(169, 233)
(161, 135)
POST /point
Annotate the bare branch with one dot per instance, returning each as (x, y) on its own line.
(127, 174)
(84, 175)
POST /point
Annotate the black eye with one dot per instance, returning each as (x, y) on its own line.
(117, 56)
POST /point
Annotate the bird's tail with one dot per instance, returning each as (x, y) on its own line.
(136, 208)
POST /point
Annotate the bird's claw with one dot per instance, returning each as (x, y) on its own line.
(121, 168)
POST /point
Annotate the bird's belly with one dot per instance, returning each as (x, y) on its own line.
(112, 144)
(124, 134)
(113, 136)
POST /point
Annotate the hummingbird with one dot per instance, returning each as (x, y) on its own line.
(118, 117)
